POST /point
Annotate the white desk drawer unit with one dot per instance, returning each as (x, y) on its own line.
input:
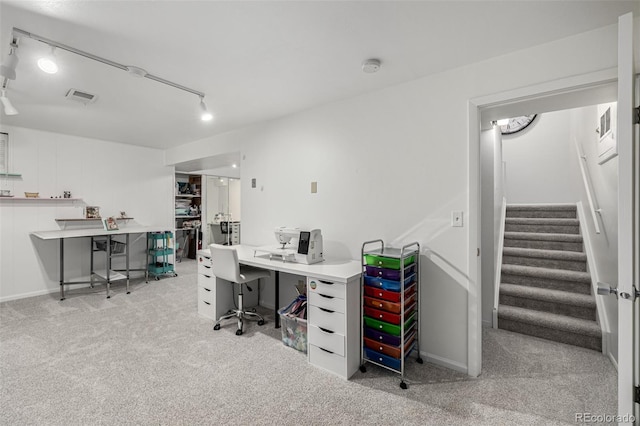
(333, 325)
(206, 287)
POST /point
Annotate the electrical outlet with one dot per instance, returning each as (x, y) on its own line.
(456, 218)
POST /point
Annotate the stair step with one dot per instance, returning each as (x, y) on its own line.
(546, 241)
(542, 225)
(555, 259)
(547, 300)
(558, 279)
(542, 210)
(559, 328)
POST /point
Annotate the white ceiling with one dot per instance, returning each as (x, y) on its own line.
(255, 60)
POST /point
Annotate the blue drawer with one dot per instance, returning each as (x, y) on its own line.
(389, 274)
(382, 359)
(389, 285)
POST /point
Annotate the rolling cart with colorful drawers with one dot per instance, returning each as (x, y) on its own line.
(390, 305)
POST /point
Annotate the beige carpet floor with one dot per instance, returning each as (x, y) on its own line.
(147, 358)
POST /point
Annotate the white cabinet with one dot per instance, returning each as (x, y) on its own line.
(212, 302)
(333, 325)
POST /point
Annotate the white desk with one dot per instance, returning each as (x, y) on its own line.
(333, 299)
(91, 233)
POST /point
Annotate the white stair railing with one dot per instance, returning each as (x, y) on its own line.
(498, 275)
(591, 197)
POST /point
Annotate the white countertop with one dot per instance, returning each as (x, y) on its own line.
(92, 232)
(341, 271)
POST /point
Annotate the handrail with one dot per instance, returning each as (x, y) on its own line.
(498, 270)
(593, 203)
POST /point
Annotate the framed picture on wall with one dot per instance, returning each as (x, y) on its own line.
(607, 144)
(92, 212)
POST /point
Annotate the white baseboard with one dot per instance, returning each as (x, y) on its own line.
(444, 362)
(488, 324)
(30, 294)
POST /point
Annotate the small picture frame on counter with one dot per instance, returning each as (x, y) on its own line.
(110, 224)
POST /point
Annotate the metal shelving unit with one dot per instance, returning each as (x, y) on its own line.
(390, 298)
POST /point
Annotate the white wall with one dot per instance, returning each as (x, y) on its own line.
(604, 178)
(392, 164)
(113, 176)
(540, 162)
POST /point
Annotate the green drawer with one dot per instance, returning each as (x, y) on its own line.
(387, 262)
(385, 327)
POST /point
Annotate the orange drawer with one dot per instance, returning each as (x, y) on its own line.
(387, 316)
(387, 306)
(393, 351)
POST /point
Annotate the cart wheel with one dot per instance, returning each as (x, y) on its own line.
(403, 385)
(260, 322)
(216, 327)
(128, 292)
(419, 361)
(363, 369)
(238, 332)
(175, 274)
(62, 299)
(108, 297)
(157, 278)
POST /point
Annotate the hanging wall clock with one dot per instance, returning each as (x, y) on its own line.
(517, 124)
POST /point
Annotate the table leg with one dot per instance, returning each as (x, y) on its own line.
(108, 249)
(277, 299)
(61, 268)
(126, 247)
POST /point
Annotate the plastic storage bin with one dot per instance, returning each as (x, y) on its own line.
(389, 285)
(294, 331)
(391, 296)
(116, 246)
(389, 274)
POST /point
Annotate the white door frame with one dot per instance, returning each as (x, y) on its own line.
(562, 87)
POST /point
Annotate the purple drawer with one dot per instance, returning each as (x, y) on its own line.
(389, 274)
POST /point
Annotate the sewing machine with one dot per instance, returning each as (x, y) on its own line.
(305, 248)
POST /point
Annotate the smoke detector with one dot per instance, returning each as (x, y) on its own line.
(80, 96)
(371, 66)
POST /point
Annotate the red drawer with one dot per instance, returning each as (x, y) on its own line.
(386, 316)
(387, 306)
(391, 296)
(393, 351)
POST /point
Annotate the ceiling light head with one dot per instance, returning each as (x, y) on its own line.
(9, 109)
(371, 66)
(48, 63)
(8, 68)
(206, 115)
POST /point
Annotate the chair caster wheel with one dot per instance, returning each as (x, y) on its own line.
(238, 332)
(108, 297)
(363, 369)
(216, 327)
(403, 385)
(261, 322)
(128, 292)
(419, 361)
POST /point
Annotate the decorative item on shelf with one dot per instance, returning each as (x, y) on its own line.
(123, 215)
(5, 193)
(31, 194)
(92, 212)
(110, 224)
(67, 194)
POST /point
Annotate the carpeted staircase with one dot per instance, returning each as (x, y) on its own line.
(545, 289)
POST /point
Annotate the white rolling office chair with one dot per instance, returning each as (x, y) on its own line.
(225, 265)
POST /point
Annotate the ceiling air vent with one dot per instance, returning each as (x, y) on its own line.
(84, 97)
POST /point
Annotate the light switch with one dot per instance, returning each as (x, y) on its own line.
(314, 187)
(456, 218)
(253, 182)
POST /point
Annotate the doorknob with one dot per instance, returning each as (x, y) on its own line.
(605, 289)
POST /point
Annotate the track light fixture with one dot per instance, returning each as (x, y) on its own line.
(8, 68)
(206, 115)
(9, 109)
(48, 63)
